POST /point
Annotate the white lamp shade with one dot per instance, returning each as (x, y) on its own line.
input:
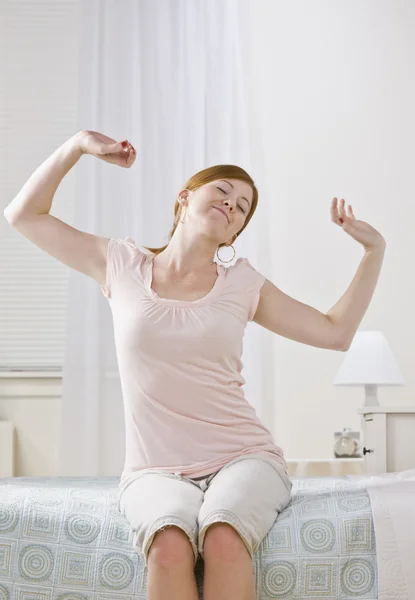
(369, 360)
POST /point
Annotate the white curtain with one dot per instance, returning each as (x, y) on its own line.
(177, 80)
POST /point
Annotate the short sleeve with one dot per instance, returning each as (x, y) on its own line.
(251, 283)
(120, 255)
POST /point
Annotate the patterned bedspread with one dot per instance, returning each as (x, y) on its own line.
(62, 538)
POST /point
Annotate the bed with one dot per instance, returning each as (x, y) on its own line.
(63, 538)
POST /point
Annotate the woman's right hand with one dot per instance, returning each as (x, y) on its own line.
(105, 148)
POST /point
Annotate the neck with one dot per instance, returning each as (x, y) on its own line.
(181, 258)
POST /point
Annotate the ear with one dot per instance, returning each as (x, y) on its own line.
(184, 198)
(187, 196)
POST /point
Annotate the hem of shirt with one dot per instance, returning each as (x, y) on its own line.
(277, 462)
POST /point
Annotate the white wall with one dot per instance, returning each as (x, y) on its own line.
(339, 123)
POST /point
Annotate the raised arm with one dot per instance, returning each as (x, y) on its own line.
(28, 212)
(297, 321)
(335, 329)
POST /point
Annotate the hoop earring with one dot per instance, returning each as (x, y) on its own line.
(226, 261)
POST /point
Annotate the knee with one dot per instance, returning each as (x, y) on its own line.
(223, 541)
(171, 546)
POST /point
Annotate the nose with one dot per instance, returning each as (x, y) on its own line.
(231, 207)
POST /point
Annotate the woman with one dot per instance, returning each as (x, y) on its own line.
(201, 473)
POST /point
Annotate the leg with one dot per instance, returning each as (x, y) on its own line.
(248, 495)
(229, 573)
(171, 567)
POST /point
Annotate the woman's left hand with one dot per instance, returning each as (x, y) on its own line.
(361, 231)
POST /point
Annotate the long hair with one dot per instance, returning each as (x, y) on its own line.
(205, 176)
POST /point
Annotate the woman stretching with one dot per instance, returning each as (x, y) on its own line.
(202, 474)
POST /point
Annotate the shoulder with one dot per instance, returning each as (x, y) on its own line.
(244, 266)
(248, 282)
(124, 251)
(127, 246)
(246, 274)
(122, 255)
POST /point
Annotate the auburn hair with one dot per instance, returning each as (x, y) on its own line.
(206, 176)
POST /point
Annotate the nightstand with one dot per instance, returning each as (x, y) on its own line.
(388, 438)
(324, 467)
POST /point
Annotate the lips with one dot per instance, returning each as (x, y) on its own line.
(222, 211)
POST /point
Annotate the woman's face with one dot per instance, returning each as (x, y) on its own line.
(232, 196)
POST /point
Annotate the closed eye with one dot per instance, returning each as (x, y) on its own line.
(240, 207)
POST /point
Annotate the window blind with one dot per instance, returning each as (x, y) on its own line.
(38, 66)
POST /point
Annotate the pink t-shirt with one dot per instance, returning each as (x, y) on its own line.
(180, 368)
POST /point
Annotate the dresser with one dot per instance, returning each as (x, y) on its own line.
(388, 443)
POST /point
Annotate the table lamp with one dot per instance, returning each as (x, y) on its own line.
(369, 362)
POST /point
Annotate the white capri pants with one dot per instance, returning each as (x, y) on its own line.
(248, 493)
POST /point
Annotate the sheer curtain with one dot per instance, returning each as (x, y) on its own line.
(176, 79)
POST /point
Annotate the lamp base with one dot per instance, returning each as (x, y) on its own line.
(371, 395)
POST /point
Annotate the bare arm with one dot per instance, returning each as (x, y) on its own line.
(335, 329)
(36, 196)
(348, 312)
(295, 320)
(28, 213)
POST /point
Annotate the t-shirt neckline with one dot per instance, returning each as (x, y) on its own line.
(220, 269)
